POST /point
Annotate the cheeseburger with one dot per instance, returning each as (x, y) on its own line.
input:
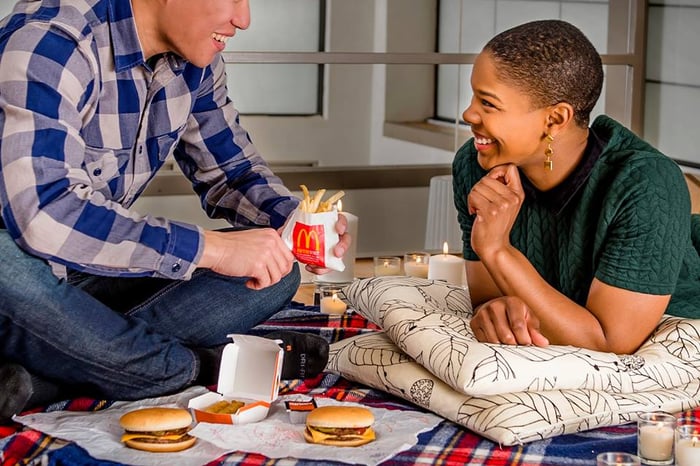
(157, 429)
(342, 426)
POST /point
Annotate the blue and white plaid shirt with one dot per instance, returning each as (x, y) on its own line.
(86, 123)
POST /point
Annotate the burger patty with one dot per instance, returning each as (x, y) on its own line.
(157, 436)
(161, 440)
(341, 431)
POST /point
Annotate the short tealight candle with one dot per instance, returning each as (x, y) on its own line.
(415, 264)
(617, 458)
(330, 302)
(387, 265)
(688, 445)
(655, 434)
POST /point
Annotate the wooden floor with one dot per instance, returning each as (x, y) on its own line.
(363, 268)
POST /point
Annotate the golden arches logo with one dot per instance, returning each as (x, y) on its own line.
(310, 237)
(309, 244)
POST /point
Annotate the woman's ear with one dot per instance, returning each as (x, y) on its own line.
(560, 116)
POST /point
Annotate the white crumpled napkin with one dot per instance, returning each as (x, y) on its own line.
(99, 433)
(276, 437)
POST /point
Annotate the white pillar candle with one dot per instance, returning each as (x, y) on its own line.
(332, 305)
(347, 275)
(656, 442)
(447, 267)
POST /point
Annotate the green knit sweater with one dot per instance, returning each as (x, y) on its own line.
(622, 217)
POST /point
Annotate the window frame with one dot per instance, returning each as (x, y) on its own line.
(627, 30)
(625, 73)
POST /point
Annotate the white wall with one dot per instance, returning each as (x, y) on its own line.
(391, 221)
(384, 150)
(673, 78)
(466, 26)
(6, 8)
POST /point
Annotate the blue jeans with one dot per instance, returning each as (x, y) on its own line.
(124, 338)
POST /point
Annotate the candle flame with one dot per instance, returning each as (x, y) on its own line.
(419, 259)
(445, 248)
(340, 205)
(335, 297)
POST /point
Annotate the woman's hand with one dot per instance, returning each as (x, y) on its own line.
(496, 200)
(507, 320)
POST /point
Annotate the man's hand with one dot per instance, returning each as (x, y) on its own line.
(507, 320)
(258, 253)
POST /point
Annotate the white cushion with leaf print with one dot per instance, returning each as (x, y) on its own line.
(427, 343)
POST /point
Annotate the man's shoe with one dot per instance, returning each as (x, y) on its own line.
(15, 391)
(305, 354)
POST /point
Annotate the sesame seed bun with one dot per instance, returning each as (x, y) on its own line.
(154, 419)
(157, 429)
(340, 416)
(342, 426)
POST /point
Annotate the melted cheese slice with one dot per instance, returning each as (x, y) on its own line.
(318, 436)
(127, 437)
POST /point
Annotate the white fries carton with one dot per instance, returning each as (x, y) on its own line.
(312, 237)
(250, 371)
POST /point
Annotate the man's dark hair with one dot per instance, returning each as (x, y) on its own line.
(552, 61)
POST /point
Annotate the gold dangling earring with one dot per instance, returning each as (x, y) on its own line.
(548, 153)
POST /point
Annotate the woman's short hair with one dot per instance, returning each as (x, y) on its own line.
(552, 61)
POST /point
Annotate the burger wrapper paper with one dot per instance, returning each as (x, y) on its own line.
(276, 437)
(99, 433)
(312, 237)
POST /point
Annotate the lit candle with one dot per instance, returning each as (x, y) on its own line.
(332, 305)
(385, 266)
(656, 442)
(688, 452)
(655, 433)
(617, 458)
(447, 267)
(416, 264)
(347, 275)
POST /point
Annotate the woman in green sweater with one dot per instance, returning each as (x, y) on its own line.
(573, 234)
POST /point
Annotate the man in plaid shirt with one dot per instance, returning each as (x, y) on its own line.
(94, 96)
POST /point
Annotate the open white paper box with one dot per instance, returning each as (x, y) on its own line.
(250, 371)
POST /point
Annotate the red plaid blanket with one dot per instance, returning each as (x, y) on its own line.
(447, 444)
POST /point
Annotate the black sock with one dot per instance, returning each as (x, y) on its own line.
(45, 392)
(15, 391)
(209, 363)
(305, 354)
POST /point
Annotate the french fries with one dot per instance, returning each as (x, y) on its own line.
(316, 204)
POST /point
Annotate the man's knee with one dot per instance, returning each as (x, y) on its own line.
(292, 280)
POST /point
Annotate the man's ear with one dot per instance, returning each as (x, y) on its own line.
(559, 116)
